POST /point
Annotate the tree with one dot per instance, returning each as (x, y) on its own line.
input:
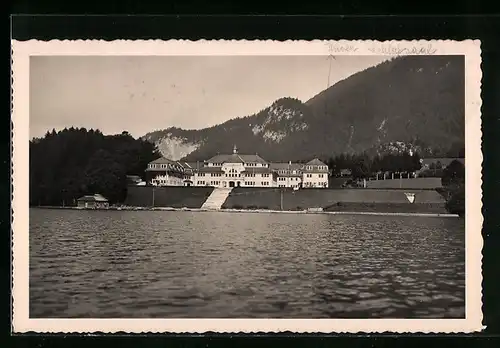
(454, 173)
(361, 167)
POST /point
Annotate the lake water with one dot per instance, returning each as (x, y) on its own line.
(106, 264)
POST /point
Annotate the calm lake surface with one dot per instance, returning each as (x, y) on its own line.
(199, 264)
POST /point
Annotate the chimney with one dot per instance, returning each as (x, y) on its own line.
(235, 150)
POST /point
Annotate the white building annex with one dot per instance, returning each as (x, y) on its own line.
(237, 170)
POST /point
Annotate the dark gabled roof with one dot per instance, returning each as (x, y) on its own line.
(234, 158)
(253, 159)
(210, 170)
(315, 162)
(193, 166)
(163, 160)
(285, 166)
(237, 158)
(93, 198)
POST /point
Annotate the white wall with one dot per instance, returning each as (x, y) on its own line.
(167, 180)
(288, 181)
(315, 180)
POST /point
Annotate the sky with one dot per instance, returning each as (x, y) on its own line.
(143, 94)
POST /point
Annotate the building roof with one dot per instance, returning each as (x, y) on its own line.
(163, 160)
(257, 170)
(210, 170)
(174, 168)
(235, 157)
(315, 162)
(253, 159)
(93, 198)
(191, 165)
(285, 166)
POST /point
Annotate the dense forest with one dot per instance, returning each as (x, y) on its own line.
(417, 100)
(68, 164)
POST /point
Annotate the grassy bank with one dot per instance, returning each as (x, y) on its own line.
(381, 200)
(172, 196)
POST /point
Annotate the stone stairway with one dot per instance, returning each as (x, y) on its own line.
(216, 198)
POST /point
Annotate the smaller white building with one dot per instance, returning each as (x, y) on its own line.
(164, 172)
(315, 174)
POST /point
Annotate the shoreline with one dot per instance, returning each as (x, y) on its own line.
(255, 211)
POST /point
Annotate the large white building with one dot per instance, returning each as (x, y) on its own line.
(237, 170)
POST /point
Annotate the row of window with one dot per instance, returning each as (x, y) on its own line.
(245, 164)
(281, 171)
(252, 175)
(313, 184)
(165, 166)
(291, 179)
(247, 183)
(262, 183)
(233, 174)
(310, 175)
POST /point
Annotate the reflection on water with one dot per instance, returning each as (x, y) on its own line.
(191, 264)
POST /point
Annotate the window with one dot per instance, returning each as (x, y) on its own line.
(309, 175)
(265, 175)
(320, 175)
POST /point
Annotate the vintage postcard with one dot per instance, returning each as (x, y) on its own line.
(246, 186)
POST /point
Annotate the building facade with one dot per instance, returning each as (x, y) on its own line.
(95, 201)
(237, 170)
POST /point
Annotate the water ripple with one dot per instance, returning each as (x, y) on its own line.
(183, 264)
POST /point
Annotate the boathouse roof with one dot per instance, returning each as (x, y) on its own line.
(93, 198)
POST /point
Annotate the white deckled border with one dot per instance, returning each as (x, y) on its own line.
(20, 225)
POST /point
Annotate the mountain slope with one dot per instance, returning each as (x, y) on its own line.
(414, 99)
(411, 99)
